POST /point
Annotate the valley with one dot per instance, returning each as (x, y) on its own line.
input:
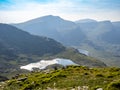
(59, 44)
(18, 48)
(59, 47)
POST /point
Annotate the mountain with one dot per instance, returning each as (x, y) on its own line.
(18, 47)
(116, 24)
(54, 27)
(95, 29)
(87, 34)
(102, 40)
(113, 35)
(102, 34)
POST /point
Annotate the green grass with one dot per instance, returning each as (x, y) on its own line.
(70, 77)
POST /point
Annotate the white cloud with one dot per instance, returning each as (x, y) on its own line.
(67, 9)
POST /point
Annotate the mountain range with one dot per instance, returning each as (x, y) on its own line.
(64, 31)
(100, 38)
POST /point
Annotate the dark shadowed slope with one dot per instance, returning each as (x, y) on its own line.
(17, 41)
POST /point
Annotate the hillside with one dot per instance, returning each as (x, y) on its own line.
(71, 77)
(13, 66)
(16, 44)
(19, 47)
(18, 41)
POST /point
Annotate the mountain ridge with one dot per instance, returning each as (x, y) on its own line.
(87, 20)
(54, 27)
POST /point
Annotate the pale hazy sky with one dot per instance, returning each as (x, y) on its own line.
(14, 11)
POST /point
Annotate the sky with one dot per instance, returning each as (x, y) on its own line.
(16, 11)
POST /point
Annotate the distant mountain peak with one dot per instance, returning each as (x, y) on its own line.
(44, 19)
(85, 21)
(51, 17)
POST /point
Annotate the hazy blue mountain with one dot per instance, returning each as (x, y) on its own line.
(99, 32)
(103, 40)
(87, 26)
(86, 21)
(54, 27)
(93, 28)
(112, 36)
(116, 24)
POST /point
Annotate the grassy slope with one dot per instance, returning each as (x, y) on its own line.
(68, 54)
(68, 78)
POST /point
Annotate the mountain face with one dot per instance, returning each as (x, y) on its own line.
(95, 29)
(100, 30)
(17, 41)
(101, 33)
(113, 36)
(55, 27)
(102, 40)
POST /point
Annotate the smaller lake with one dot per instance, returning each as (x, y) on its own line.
(82, 51)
